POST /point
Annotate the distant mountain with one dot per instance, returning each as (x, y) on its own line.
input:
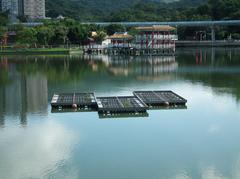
(100, 9)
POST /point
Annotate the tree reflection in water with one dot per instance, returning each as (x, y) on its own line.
(27, 82)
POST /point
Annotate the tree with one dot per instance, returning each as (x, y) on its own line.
(2, 35)
(60, 34)
(78, 33)
(100, 36)
(3, 19)
(23, 18)
(236, 36)
(2, 32)
(27, 36)
(44, 34)
(111, 29)
(133, 31)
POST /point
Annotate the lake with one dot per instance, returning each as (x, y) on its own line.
(201, 141)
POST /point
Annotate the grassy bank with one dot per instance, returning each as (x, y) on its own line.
(38, 51)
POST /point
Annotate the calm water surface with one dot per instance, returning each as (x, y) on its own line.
(201, 141)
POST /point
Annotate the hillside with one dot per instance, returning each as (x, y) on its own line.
(101, 9)
(86, 9)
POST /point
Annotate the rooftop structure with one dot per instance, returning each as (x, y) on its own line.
(120, 39)
(121, 36)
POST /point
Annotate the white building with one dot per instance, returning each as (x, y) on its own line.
(34, 9)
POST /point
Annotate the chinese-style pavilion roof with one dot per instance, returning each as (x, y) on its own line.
(156, 28)
(120, 36)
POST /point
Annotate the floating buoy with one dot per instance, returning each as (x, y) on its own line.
(167, 103)
(74, 106)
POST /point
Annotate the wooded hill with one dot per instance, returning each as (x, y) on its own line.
(104, 9)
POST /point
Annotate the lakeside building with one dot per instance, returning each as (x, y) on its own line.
(121, 40)
(147, 40)
(155, 37)
(32, 9)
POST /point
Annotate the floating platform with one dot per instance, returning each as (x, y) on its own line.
(160, 98)
(74, 100)
(123, 104)
(119, 106)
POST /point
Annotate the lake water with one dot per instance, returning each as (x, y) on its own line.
(201, 141)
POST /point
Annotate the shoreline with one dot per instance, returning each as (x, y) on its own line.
(69, 51)
(40, 51)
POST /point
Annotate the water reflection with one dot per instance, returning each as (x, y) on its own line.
(27, 82)
(24, 94)
(210, 172)
(36, 152)
(140, 67)
(201, 142)
(216, 68)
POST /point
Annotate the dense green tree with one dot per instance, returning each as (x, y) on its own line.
(27, 36)
(111, 29)
(211, 9)
(223, 9)
(236, 36)
(23, 18)
(100, 36)
(132, 31)
(60, 34)
(44, 34)
(15, 27)
(78, 34)
(3, 19)
(2, 32)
